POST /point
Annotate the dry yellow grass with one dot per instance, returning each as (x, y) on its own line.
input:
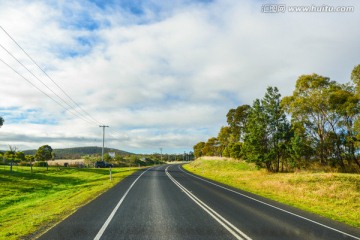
(333, 195)
(62, 161)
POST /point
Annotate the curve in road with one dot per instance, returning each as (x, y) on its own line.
(166, 202)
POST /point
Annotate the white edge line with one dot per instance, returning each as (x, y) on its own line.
(210, 211)
(108, 220)
(283, 210)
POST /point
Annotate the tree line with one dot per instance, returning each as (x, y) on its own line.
(44, 153)
(318, 124)
(78, 152)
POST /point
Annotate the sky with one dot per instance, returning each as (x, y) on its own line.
(160, 74)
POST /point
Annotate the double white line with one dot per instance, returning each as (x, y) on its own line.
(223, 222)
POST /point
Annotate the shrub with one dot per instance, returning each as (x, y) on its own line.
(40, 164)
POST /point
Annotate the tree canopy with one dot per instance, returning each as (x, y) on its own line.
(318, 123)
(44, 153)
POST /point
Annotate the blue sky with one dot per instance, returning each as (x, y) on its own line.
(159, 73)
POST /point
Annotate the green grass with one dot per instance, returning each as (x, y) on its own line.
(332, 195)
(30, 203)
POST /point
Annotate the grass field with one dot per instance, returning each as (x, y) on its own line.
(30, 203)
(333, 195)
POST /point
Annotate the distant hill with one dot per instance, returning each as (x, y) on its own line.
(77, 152)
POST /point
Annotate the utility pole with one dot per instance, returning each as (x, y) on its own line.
(102, 152)
(160, 154)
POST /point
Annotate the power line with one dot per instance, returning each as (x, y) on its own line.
(34, 85)
(44, 84)
(83, 114)
(57, 102)
(68, 104)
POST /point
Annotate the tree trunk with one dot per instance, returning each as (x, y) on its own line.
(356, 161)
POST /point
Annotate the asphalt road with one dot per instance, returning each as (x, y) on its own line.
(165, 202)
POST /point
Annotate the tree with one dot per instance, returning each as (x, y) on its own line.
(345, 110)
(1, 121)
(310, 110)
(19, 156)
(29, 158)
(236, 119)
(212, 147)
(256, 143)
(355, 77)
(267, 132)
(299, 148)
(278, 127)
(224, 138)
(10, 155)
(107, 157)
(198, 149)
(325, 114)
(235, 150)
(44, 153)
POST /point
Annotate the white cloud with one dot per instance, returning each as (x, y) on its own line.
(164, 77)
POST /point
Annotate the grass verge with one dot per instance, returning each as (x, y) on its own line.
(30, 203)
(332, 195)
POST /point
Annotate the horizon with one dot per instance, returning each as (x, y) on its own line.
(137, 153)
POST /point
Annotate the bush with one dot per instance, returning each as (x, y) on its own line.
(40, 164)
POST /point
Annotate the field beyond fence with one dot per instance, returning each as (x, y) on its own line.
(71, 162)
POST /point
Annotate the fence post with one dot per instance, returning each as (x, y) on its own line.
(110, 174)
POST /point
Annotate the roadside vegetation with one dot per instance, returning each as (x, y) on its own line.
(84, 156)
(318, 124)
(330, 194)
(30, 203)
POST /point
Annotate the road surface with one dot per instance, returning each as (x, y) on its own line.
(166, 202)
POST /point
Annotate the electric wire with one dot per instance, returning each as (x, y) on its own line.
(85, 113)
(44, 84)
(34, 85)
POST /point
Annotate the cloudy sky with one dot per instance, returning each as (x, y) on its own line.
(159, 73)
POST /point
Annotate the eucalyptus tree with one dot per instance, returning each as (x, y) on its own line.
(224, 139)
(236, 119)
(355, 137)
(212, 147)
(198, 149)
(324, 114)
(344, 111)
(309, 108)
(355, 77)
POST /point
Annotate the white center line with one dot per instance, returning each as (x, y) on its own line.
(237, 233)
